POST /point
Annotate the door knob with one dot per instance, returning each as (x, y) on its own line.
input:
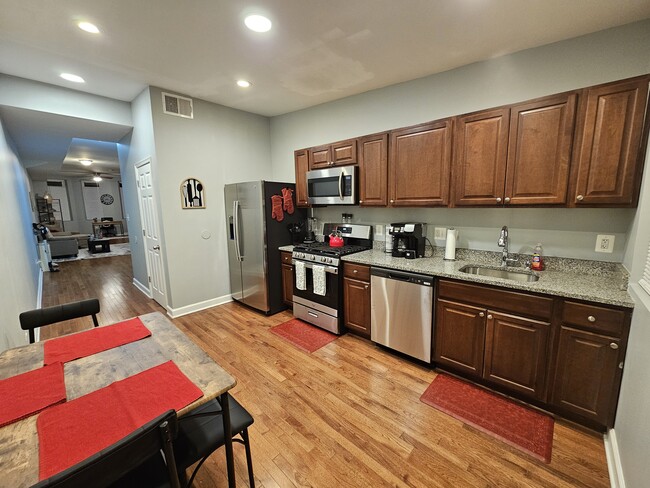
(156, 248)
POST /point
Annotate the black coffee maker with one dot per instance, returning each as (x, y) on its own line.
(408, 240)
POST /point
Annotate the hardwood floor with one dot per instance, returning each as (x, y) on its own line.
(347, 415)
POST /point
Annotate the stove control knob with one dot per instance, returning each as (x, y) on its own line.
(313, 258)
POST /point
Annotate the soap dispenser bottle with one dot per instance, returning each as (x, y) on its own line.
(537, 263)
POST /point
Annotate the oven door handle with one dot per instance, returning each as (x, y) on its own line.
(328, 269)
(340, 185)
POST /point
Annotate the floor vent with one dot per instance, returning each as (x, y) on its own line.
(177, 105)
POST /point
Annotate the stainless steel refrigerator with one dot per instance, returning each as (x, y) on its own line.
(254, 237)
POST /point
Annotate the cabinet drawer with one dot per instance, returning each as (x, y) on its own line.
(286, 257)
(356, 271)
(594, 317)
(511, 301)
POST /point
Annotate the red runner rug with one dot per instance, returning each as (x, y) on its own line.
(29, 393)
(302, 335)
(75, 346)
(518, 426)
(73, 431)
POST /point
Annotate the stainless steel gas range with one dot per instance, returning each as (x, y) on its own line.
(318, 277)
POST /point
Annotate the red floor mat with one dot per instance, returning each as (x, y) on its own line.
(518, 426)
(302, 335)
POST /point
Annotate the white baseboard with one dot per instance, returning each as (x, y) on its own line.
(142, 288)
(195, 307)
(39, 291)
(614, 467)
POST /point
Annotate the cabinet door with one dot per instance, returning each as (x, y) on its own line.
(460, 337)
(516, 353)
(587, 376)
(287, 284)
(609, 156)
(356, 300)
(541, 133)
(320, 157)
(480, 152)
(302, 166)
(419, 165)
(373, 170)
(344, 152)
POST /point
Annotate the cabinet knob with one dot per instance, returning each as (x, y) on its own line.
(392, 201)
(580, 198)
(360, 201)
(489, 316)
(591, 318)
(366, 287)
(481, 314)
(355, 271)
(498, 199)
(613, 345)
(506, 199)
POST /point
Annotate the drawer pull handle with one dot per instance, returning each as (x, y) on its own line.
(489, 317)
(613, 345)
(591, 318)
(481, 314)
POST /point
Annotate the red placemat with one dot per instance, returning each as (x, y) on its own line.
(28, 393)
(73, 431)
(302, 335)
(75, 346)
(518, 426)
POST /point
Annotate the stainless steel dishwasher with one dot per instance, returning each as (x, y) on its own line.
(402, 311)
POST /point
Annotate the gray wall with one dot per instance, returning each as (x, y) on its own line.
(133, 149)
(597, 58)
(18, 255)
(219, 145)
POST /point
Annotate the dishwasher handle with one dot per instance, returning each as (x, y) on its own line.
(392, 274)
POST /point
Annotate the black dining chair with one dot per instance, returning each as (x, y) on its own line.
(134, 461)
(33, 319)
(108, 229)
(201, 433)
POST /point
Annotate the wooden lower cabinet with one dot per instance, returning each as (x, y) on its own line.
(287, 278)
(516, 352)
(356, 298)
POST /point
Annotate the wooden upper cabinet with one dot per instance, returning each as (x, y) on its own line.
(373, 170)
(480, 155)
(609, 155)
(301, 158)
(419, 165)
(539, 150)
(337, 154)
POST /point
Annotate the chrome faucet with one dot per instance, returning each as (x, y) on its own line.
(503, 242)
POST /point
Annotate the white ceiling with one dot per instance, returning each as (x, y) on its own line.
(317, 51)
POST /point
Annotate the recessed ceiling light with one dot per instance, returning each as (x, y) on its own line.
(88, 27)
(97, 178)
(86, 162)
(243, 83)
(258, 23)
(71, 77)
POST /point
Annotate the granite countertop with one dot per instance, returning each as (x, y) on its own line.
(594, 281)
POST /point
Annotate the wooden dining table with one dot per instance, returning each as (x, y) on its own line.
(19, 452)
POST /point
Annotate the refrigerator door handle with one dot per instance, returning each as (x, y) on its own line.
(235, 212)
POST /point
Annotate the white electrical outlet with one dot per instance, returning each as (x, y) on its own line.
(605, 243)
(379, 230)
(440, 233)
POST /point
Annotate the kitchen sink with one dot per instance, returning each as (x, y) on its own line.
(500, 273)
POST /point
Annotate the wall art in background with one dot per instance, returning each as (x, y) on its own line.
(192, 194)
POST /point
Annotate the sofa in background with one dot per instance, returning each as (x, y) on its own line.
(61, 246)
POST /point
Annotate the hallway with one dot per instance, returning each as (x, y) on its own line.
(347, 415)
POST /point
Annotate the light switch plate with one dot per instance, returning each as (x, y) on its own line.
(440, 233)
(605, 243)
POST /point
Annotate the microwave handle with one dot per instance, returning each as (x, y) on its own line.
(340, 185)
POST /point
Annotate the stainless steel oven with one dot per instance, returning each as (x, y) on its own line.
(332, 186)
(320, 310)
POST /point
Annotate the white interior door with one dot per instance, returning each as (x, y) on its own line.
(151, 232)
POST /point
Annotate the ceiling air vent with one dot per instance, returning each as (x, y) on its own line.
(177, 105)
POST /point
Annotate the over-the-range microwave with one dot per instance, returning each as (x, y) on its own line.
(332, 186)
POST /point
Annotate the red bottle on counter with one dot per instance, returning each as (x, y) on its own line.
(537, 264)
